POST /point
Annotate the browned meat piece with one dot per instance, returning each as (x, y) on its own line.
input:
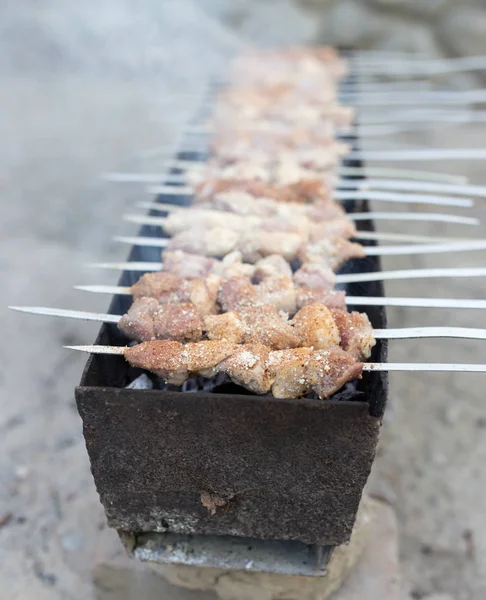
(160, 357)
(203, 293)
(333, 228)
(247, 367)
(328, 370)
(356, 333)
(331, 251)
(287, 370)
(148, 320)
(279, 292)
(232, 265)
(168, 288)
(194, 219)
(227, 326)
(288, 373)
(156, 285)
(310, 191)
(236, 292)
(204, 357)
(237, 145)
(297, 371)
(174, 362)
(266, 325)
(325, 211)
(184, 264)
(314, 275)
(138, 323)
(329, 298)
(257, 244)
(216, 241)
(180, 322)
(315, 326)
(271, 266)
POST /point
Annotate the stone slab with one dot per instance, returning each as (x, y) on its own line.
(375, 577)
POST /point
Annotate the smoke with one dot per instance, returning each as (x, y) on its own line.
(170, 40)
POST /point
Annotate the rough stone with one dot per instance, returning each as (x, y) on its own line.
(116, 577)
(376, 576)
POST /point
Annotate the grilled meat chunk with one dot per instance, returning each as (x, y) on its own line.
(356, 333)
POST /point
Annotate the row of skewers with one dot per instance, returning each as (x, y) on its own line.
(246, 282)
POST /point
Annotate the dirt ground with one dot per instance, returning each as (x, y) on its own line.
(60, 128)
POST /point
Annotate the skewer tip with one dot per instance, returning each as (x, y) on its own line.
(120, 350)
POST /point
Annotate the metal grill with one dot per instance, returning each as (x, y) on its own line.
(291, 472)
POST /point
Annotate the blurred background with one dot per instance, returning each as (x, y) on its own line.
(89, 87)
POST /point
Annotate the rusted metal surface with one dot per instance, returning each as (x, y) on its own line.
(287, 469)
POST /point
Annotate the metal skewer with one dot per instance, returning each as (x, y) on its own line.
(365, 170)
(401, 333)
(362, 193)
(146, 267)
(453, 367)
(365, 216)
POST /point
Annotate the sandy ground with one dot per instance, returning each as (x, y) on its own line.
(59, 131)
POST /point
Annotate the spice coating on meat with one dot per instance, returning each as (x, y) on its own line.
(190, 266)
(287, 373)
(216, 241)
(356, 333)
(247, 367)
(327, 371)
(174, 362)
(315, 326)
(308, 191)
(156, 285)
(236, 292)
(279, 292)
(273, 265)
(331, 228)
(254, 325)
(333, 251)
(148, 320)
(168, 288)
(138, 323)
(329, 298)
(314, 275)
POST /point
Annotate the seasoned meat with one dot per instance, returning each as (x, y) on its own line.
(215, 241)
(315, 326)
(236, 292)
(184, 264)
(279, 292)
(271, 266)
(329, 298)
(315, 275)
(328, 370)
(168, 288)
(356, 333)
(247, 367)
(138, 323)
(226, 326)
(288, 373)
(287, 370)
(156, 285)
(148, 320)
(331, 251)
